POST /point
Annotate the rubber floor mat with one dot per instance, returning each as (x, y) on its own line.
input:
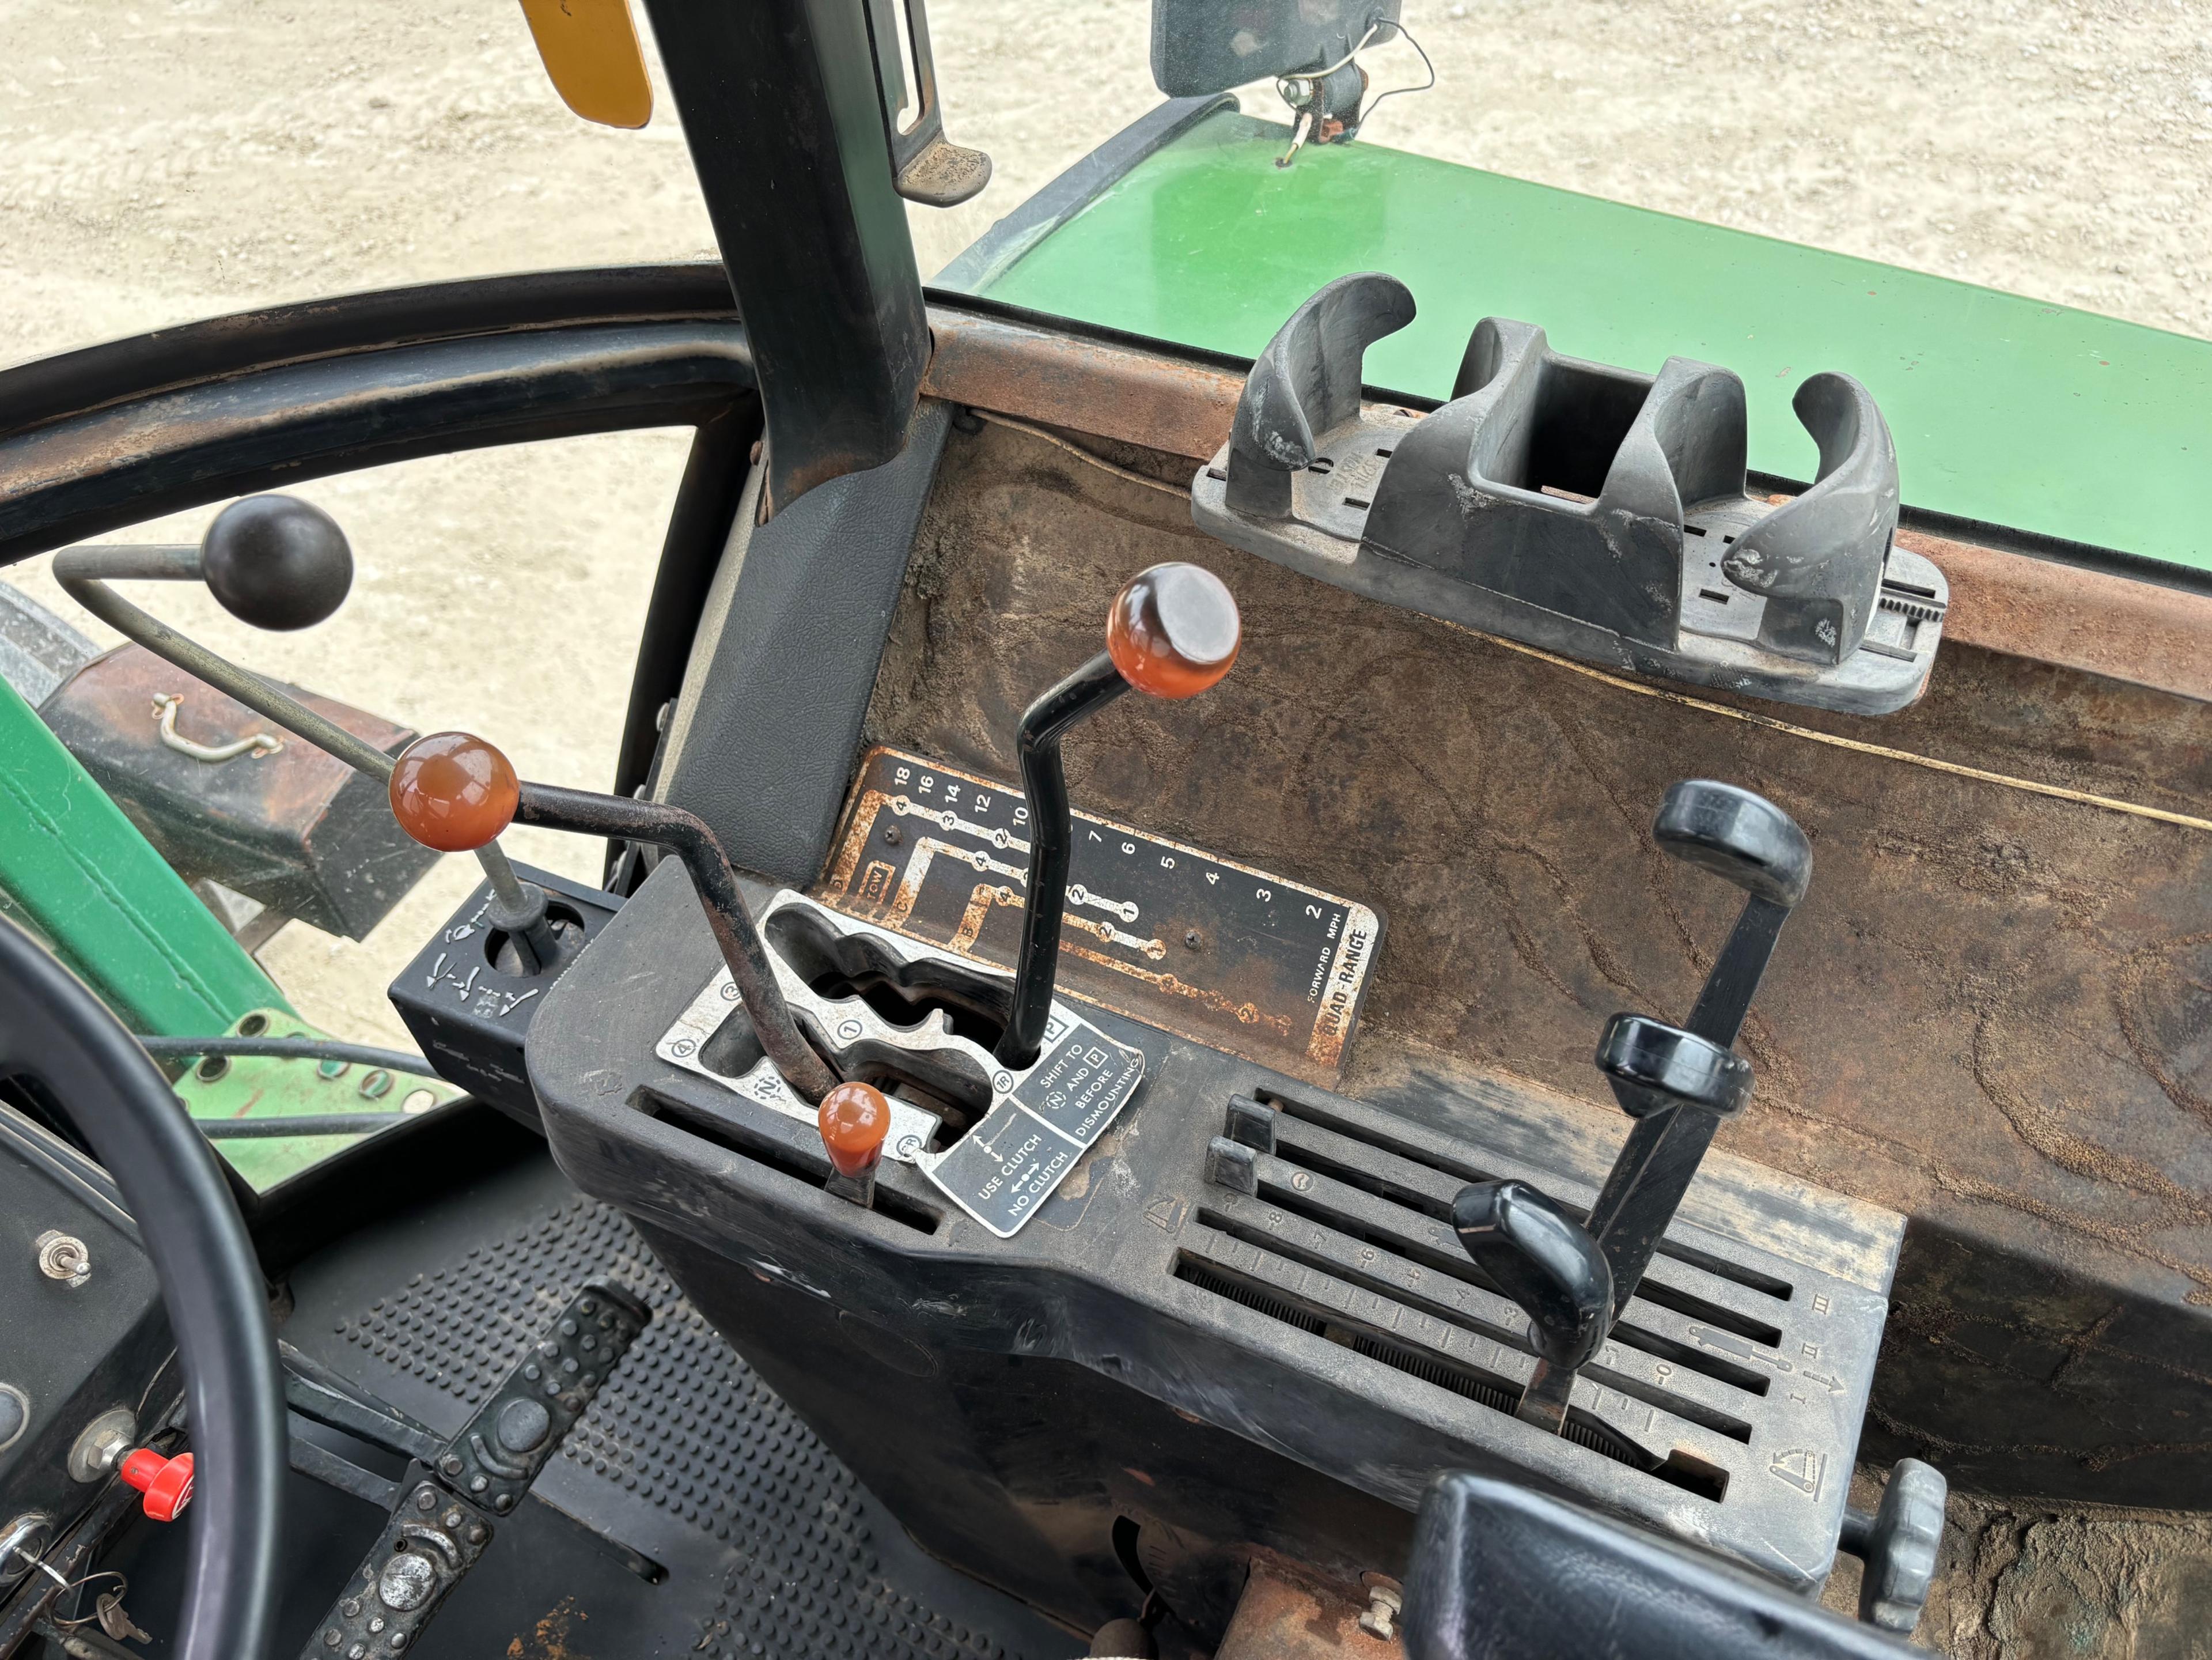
(771, 1546)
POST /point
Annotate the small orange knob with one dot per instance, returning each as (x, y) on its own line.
(1174, 630)
(453, 792)
(854, 1120)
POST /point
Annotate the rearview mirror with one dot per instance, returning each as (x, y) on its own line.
(1201, 46)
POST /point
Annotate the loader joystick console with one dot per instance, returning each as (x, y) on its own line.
(1023, 1121)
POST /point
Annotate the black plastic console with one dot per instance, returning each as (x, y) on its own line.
(1177, 1360)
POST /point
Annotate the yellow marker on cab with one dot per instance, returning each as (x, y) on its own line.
(590, 52)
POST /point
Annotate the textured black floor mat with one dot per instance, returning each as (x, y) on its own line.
(772, 1548)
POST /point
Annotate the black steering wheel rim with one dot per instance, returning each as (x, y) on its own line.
(57, 1031)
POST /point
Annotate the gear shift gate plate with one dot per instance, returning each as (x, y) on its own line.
(1040, 1121)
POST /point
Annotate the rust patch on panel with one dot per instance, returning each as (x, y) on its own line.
(1207, 947)
(1279, 1618)
(1135, 397)
(2083, 619)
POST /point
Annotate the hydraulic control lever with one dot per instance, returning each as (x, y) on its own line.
(276, 561)
(454, 790)
(1546, 1262)
(1173, 632)
(1677, 1083)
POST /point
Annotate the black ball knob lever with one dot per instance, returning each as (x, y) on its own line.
(277, 561)
(1551, 1267)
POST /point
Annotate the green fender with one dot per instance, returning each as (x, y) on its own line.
(77, 873)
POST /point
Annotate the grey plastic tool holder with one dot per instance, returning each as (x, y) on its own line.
(1586, 509)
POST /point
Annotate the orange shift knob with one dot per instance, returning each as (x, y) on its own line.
(854, 1119)
(1173, 630)
(452, 791)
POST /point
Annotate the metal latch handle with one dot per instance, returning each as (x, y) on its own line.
(165, 705)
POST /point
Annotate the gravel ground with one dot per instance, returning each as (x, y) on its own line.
(163, 161)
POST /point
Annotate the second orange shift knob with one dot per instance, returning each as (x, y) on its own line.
(1174, 630)
(453, 792)
(854, 1119)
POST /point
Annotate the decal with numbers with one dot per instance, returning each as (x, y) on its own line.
(1234, 958)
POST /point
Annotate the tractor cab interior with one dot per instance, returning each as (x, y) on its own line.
(1232, 1013)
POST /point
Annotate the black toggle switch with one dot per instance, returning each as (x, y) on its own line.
(1677, 1083)
(1551, 1267)
(1172, 632)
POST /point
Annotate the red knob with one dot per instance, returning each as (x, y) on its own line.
(854, 1120)
(1173, 630)
(167, 1482)
(452, 791)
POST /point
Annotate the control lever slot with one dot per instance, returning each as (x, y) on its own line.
(1437, 1258)
(1677, 1469)
(904, 990)
(1391, 1175)
(734, 1132)
(1301, 1110)
(1505, 1332)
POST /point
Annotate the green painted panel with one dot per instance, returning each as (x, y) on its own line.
(274, 1086)
(2005, 409)
(87, 882)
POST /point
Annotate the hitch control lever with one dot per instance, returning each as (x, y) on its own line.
(276, 561)
(1173, 632)
(454, 790)
(1679, 1082)
(1548, 1264)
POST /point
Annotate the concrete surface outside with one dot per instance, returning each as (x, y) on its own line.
(164, 160)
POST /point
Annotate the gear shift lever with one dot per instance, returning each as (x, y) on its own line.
(1173, 632)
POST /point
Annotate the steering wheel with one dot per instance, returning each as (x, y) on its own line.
(55, 1030)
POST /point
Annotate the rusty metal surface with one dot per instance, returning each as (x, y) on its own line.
(2034, 608)
(1988, 1013)
(2083, 619)
(1133, 397)
(1281, 1617)
(1219, 951)
(296, 829)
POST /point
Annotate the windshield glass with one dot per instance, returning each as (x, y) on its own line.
(1776, 188)
(1882, 189)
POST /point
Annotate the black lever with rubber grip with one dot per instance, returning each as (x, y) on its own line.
(1548, 1264)
(1677, 1083)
